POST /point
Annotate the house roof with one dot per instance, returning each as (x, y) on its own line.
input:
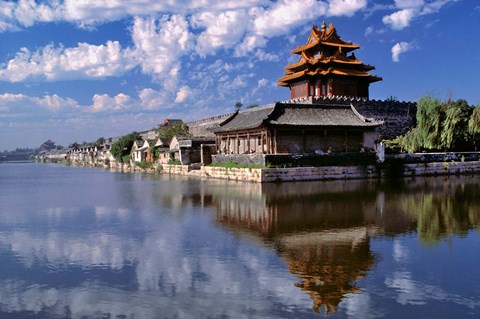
(308, 115)
(246, 119)
(284, 114)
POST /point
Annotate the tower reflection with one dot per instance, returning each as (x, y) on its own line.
(322, 230)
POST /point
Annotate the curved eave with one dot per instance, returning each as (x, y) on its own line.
(292, 68)
(346, 47)
(283, 81)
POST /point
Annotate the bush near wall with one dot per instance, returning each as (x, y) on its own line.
(334, 159)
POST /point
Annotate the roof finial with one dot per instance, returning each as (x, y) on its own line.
(324, 26)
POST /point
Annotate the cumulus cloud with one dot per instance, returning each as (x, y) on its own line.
(159, 44)
(345, 7)
(221, 30)
(399, 48)
(104, 102)
(400, 19)
(409, 10)
(21, 102)
(58, 63)
(183, 94)
(283, 15)
(84, 13)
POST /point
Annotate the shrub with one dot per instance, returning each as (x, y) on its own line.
(237, 165)
(144, 165)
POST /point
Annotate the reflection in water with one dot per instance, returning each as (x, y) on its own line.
(147, 246)
(323, 229)
(442, 209)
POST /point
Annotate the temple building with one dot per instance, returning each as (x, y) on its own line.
(328, 111)
(290, 128)
(327, 66)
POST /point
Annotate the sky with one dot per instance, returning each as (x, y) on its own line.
(76, 70)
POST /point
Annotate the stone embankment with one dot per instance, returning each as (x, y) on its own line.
(395, 167)
(269, 175)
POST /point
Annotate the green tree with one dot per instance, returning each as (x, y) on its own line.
(474, 126)
(455, 126)
(175, 129)
(427, 134)
(123, 145)
(238, 105)
(100, 141)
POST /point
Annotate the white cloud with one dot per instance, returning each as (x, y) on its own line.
(19, 103)
(89, 13)
(152, 99)
(183, 94)
(345, 7)
(104, 102)
(284, 15)
(266, 56)
(55, 102)
(400, 19)
(158, 45)
(249, 44)
(83, 61)
(221, 30)
(410, 10)
(405, 4)
(399, 48)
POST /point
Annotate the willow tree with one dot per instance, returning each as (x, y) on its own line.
(455, 127)
(427, 134)
(123, 145)
(474, 126)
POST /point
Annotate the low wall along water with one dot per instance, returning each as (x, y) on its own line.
(395, 166)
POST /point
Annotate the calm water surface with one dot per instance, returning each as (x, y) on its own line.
(88, 243)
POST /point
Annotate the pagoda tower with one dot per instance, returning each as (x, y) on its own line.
(327, 66)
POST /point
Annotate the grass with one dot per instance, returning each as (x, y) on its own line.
(144, 165)
(237, 165)
(174, 162)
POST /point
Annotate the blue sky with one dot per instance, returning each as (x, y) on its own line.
(76, 70)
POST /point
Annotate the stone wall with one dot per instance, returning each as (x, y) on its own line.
(270, 175)
(398, 117)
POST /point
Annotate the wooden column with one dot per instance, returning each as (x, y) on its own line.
(261, 142)
(237, 145)
(346, 141)
(303, 141)
(275, 141)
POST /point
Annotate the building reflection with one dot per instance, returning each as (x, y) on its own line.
(322, 230)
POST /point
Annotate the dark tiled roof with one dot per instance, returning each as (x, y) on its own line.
(246, 119)
(296, 115)
(311, 115)
(139, 143)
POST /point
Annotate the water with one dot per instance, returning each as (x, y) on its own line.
(88, 243)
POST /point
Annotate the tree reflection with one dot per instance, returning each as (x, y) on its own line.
(447, 209)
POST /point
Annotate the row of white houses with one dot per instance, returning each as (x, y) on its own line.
(179, 149)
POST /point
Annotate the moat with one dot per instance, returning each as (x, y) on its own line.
(79, 242)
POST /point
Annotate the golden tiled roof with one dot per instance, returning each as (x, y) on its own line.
(325, 54)
(283, 81)
(326, 37)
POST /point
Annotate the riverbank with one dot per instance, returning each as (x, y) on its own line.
(395, 166)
